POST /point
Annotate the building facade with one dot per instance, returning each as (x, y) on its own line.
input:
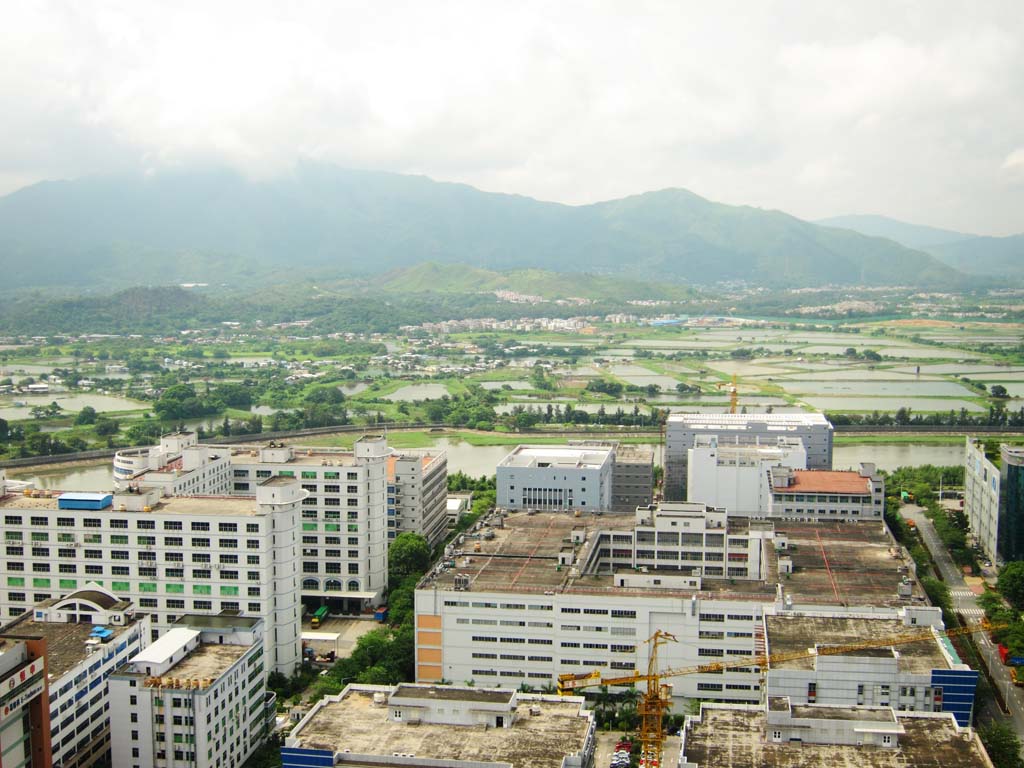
(682, 429)
(88, 634)
(169, 556)
(736, 476)
(827, 495)
(994, 499)
(24, 707)
(197, 696)
(556, 478)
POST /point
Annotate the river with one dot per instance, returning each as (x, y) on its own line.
(481, 460)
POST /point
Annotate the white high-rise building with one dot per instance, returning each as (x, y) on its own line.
(736, 476)
(197, 696)
(351, 511)
(169, 556)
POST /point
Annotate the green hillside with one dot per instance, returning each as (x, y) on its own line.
(327, 224)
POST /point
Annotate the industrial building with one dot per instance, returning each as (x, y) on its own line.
(426, 725)
(24, 703)
(915, 677)
(994, 499)
(682, 429)
(819, 494)
(771, 481)
(388, 491)
(544, 594)
(736, 475)
(585, 475)
(169, 556)
(556, 478)
(87, 635)
(197, 696)
(784, 734)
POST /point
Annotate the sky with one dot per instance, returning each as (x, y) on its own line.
(907, 108)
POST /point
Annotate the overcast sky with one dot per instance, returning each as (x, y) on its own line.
(910, 109)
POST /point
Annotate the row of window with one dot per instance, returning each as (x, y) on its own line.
(140, 524)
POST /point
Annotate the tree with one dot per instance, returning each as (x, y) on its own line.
(408, 555)
(1002, 745)
(86, 416)
(998, 390)
(1011, 584)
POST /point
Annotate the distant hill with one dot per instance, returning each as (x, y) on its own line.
(322, 222)
(971, 254)
(910, 235)
(458, 278)
(997, 256)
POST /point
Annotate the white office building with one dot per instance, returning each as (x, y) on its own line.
(736, 476)
(682, 429)
(88, 634)
(357, 501)
(197, 696)
(556, 478)
(169, 556)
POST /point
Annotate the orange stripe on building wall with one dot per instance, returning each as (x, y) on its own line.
(426, 621)
(428, 638)
(427, 672)
(428, 655)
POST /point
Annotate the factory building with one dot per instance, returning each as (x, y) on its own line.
(168, 556)
(87, 634)
(423, 726)
(682, 429)
(556, 478)
(197, 696)
(544, 594)
(24, 703)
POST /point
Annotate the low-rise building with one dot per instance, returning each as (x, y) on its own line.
(818, 494)
(916, 677)
(735, 476)
(88, 634)
(197, 696)
(788, 735)
(428, 726)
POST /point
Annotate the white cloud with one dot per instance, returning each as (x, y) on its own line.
(1014, 162)
(902, 108)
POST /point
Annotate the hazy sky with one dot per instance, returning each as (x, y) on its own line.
(911, 109)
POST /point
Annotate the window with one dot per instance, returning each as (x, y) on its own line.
(118, 523)
(172, 525)
(199, 526)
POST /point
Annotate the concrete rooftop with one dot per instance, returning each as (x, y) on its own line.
(208, 660)
(65, 643)
(736, 738)
(535, 741)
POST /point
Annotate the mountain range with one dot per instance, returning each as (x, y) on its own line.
(971, 254)
(323, 222)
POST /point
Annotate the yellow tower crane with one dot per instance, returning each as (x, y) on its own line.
(656, 700)
(734, 393)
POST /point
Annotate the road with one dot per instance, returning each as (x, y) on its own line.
(966, 603)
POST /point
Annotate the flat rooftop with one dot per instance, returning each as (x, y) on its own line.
(301, 456)
(445, 693)
(827, 481)
(736, 738)
(209, 660)
(562, 456)
(65, 643)
(536, 741)
(523, 557)
(182, 505)
(737, 420)
(788, 633)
